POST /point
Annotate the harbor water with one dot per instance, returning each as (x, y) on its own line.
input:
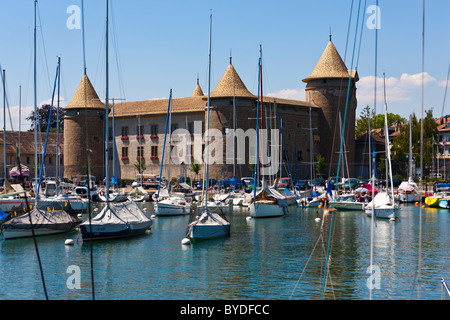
(269, 259)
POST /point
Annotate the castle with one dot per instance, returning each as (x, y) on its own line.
(308, 128)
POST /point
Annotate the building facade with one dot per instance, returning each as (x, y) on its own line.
(295, 132)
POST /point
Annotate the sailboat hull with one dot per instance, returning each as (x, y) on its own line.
(208, 226)
(408, 197)
(17, 234)
(263, 210)
(444, 203)
(109, 231)
(163, 209)
(432, 202)
(383, 213)
(347, 205)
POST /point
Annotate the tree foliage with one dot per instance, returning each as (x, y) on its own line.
(43, 113)
(400, 145)
(376, 121)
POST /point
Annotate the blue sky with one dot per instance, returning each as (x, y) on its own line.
(164, 44)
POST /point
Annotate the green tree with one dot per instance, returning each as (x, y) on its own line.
(195, 167)
(376, 121)
(320, 164)
(400, 144)
(140, 165)
(43, 113)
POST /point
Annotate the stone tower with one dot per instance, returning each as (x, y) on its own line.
(84, 129)
(231, 90)
(327, 87)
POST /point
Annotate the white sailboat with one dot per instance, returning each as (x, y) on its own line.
(209, 224)
(116, 219)
(267, 202)
(383, 205)
(408, 191)
(167, 204)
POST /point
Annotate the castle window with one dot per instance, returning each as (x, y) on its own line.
(140, 130)
(124, 152)
(154, 130)
(140, 152)
(154, 152)
(124, 131)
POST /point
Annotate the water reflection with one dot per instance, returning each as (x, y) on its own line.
(260, 259)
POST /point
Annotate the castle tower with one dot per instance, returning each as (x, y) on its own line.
(229, 91)
(83, 129)
(327, 87)
(197, 91)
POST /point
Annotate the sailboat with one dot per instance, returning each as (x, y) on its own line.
(167, 204)
(57, 199)
(39, 222)
(114, 195)
(383, 204)
(408, 191)
(115, 219)
(267, 202)
(209, 224)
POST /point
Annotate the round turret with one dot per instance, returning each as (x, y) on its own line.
(83, 130)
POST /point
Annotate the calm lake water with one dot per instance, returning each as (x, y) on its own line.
(270, 259)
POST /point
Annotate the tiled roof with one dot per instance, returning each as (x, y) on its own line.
(330, 65)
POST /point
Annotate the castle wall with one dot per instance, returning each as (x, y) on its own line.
(331, 95)
(83, 128)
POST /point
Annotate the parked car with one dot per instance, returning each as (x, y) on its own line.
(353, 183)
(247, 182)
(300, 184)
(284, 182)
(317, 182)
(212, 183)
(230, 183)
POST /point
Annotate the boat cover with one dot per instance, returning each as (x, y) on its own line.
(43, 219)
(120, 213)
(269, 192)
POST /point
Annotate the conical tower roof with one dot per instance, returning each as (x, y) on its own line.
(85, 96)
(330, 65)
(225, 86)
(198, 91)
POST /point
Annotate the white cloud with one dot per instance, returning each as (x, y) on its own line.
(397, 89)
(25, 111)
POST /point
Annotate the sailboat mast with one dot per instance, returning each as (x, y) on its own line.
(410, 147)
(35, 112)
(164, 145)
(107, 110)
(255, 180)
(4, 127)
(206, 184)
(57, 126)
(386, 134)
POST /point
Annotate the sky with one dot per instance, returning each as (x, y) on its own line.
(155, 46)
